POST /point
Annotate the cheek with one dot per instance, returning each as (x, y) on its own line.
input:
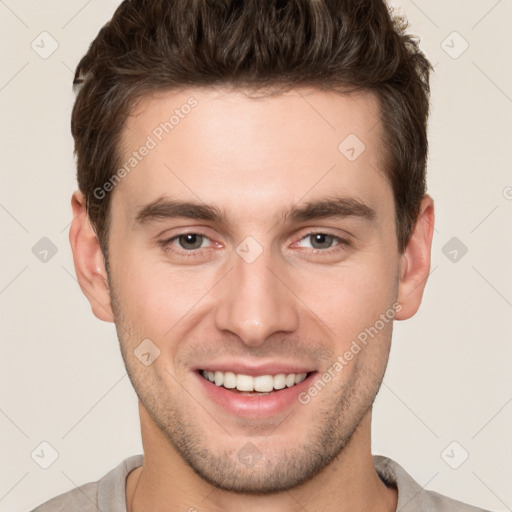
(350, 298)
(155, 296)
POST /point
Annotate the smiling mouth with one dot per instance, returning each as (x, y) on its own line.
(255, 386)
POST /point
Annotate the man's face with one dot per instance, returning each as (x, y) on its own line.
(260, 291)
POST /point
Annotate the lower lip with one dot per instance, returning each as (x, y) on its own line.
(255, 406)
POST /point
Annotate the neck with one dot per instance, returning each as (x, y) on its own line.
(166, 483)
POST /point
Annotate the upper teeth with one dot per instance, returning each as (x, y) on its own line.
(262, 383)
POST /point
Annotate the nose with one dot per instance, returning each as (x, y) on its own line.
(255, 301)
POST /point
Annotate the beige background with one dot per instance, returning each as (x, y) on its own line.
(449, 379)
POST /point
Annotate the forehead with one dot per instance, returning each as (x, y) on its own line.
(225, 147)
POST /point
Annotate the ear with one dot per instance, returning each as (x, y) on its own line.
(89, 260)
(415, 261)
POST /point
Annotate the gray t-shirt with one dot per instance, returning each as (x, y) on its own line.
(109, 493)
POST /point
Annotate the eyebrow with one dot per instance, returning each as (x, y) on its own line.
(330, 207)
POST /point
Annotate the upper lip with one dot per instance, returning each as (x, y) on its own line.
(244, 368)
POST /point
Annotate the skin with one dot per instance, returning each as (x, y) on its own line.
(296, 303)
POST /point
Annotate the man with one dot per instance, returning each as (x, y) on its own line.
(253, 216)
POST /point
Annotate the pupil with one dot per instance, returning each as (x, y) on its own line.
(191, 239)
(321, 239)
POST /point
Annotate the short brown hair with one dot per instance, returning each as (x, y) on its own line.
(164, 45)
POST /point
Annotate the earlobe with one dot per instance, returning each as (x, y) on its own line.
(415, 261)
(89, 261)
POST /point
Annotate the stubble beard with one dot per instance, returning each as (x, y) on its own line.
(338, 415)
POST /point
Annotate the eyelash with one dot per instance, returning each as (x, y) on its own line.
(165, 244)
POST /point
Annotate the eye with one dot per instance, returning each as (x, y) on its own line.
(324, 242)
(186, 244)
